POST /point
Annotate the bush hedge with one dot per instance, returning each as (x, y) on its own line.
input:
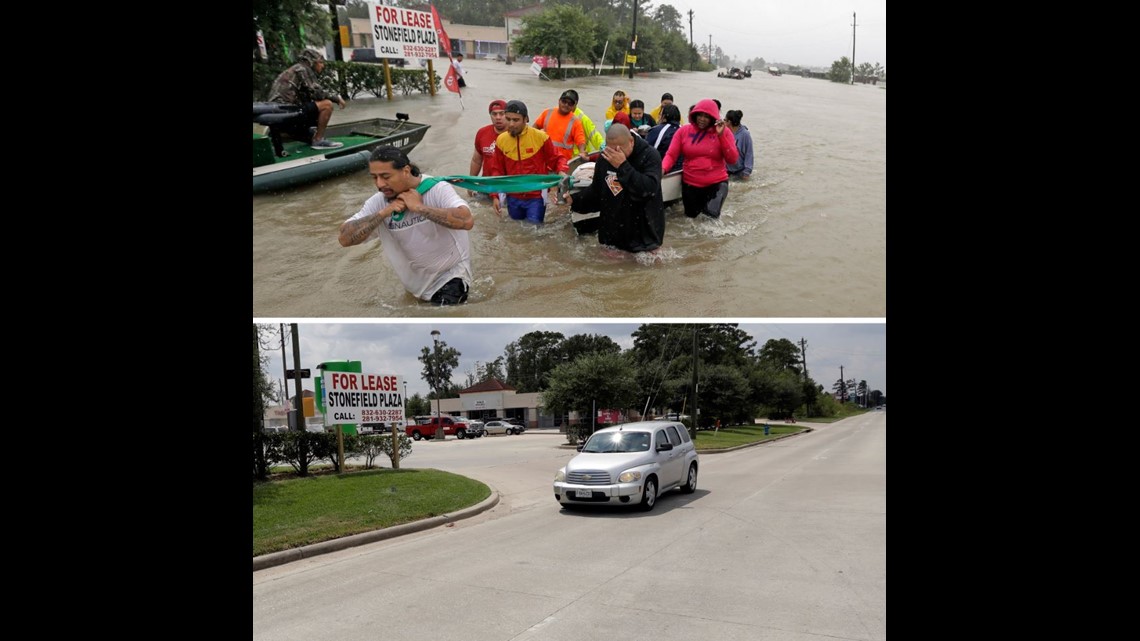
(359, 78)
(301, 449)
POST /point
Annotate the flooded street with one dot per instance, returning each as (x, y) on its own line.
(806, 237)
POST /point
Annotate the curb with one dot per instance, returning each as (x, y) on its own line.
(722, 450)
(771, 440)
(324, 547)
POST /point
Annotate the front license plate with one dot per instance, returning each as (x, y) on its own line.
(584, 494)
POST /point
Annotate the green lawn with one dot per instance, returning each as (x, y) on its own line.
(299, 511)
(742, 435)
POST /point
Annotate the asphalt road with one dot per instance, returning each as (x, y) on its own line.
(782, 542)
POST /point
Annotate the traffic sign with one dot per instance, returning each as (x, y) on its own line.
(292, 374)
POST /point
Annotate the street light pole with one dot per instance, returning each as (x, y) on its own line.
(435, 375)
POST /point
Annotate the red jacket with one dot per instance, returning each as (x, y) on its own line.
(704, 152)
(530, 153)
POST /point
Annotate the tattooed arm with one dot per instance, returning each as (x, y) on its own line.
(357, 230)
(453, 217)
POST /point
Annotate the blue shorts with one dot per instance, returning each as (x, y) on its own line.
(532, 210)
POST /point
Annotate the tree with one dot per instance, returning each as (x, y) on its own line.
(530, 359)
(287, 27)
(262, 391)
(789, 393)
(601, 380)
(840, 70)
(827, 406)
(781, 354)
(861, 390)
(668, 18)
(562, 31)
(418, 406)
(724, 396)
(840, 389)
(438, 365)
(579, 345)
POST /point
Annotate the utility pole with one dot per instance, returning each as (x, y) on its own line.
(803, 356)
(692, 58)
(710, 48)
(633, 47)
(300, 409)
(852, 47)
(842, 385)
(337, 51)
(696, 412)
(284, 363)
(435, 375)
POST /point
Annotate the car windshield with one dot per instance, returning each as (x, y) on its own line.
(617, 442)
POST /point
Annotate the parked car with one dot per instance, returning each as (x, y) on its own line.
(502, 427)
(379, 428)
(369, 55)
(519, 423)
(475, 429)
(427, 429)
(629, 464)
(275, 429)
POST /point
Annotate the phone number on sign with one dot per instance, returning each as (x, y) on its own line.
(380, 416)
(420, 51)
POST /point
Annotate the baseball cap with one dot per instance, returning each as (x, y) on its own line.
(517, 107)
(497, 105)
(571, 94)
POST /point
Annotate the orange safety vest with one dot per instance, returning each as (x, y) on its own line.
(566, 147)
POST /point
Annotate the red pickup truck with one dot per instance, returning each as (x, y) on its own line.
(427, 427)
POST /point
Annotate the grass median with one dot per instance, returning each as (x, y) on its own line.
(735, 435)
(299, 511)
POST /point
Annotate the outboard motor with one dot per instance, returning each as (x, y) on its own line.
(281, 118)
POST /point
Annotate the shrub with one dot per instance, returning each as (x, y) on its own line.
(374, 445)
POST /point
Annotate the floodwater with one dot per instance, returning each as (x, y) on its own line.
(805, 237)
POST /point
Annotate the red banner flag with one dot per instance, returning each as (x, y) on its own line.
(451, 80)
(441, 35)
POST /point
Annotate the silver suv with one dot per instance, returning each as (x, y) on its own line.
(629, 464)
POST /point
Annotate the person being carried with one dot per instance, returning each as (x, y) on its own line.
(300, 85)
(565, 129)
(661, 135)
(423, 230)
(742, 168)
(707, 145)
(626, 190)
(485, 138)
(522, 150)
(639, 118)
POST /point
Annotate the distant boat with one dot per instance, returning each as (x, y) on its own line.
(280, 163)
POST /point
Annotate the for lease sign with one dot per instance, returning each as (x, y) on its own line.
(403, 33)
(363, 398)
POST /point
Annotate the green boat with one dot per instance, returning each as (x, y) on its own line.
(280, 162)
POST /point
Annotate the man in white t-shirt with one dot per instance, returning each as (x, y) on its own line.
(457, 62)
(424, 236)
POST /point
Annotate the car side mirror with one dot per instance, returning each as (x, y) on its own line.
(579, 448)
(664, 447)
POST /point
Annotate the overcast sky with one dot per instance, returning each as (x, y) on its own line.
(809, 33)
(394, 348)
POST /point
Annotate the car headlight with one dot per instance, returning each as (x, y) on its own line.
(628, 477)
(561, 475)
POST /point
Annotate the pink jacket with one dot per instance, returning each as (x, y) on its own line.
(705, 154)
